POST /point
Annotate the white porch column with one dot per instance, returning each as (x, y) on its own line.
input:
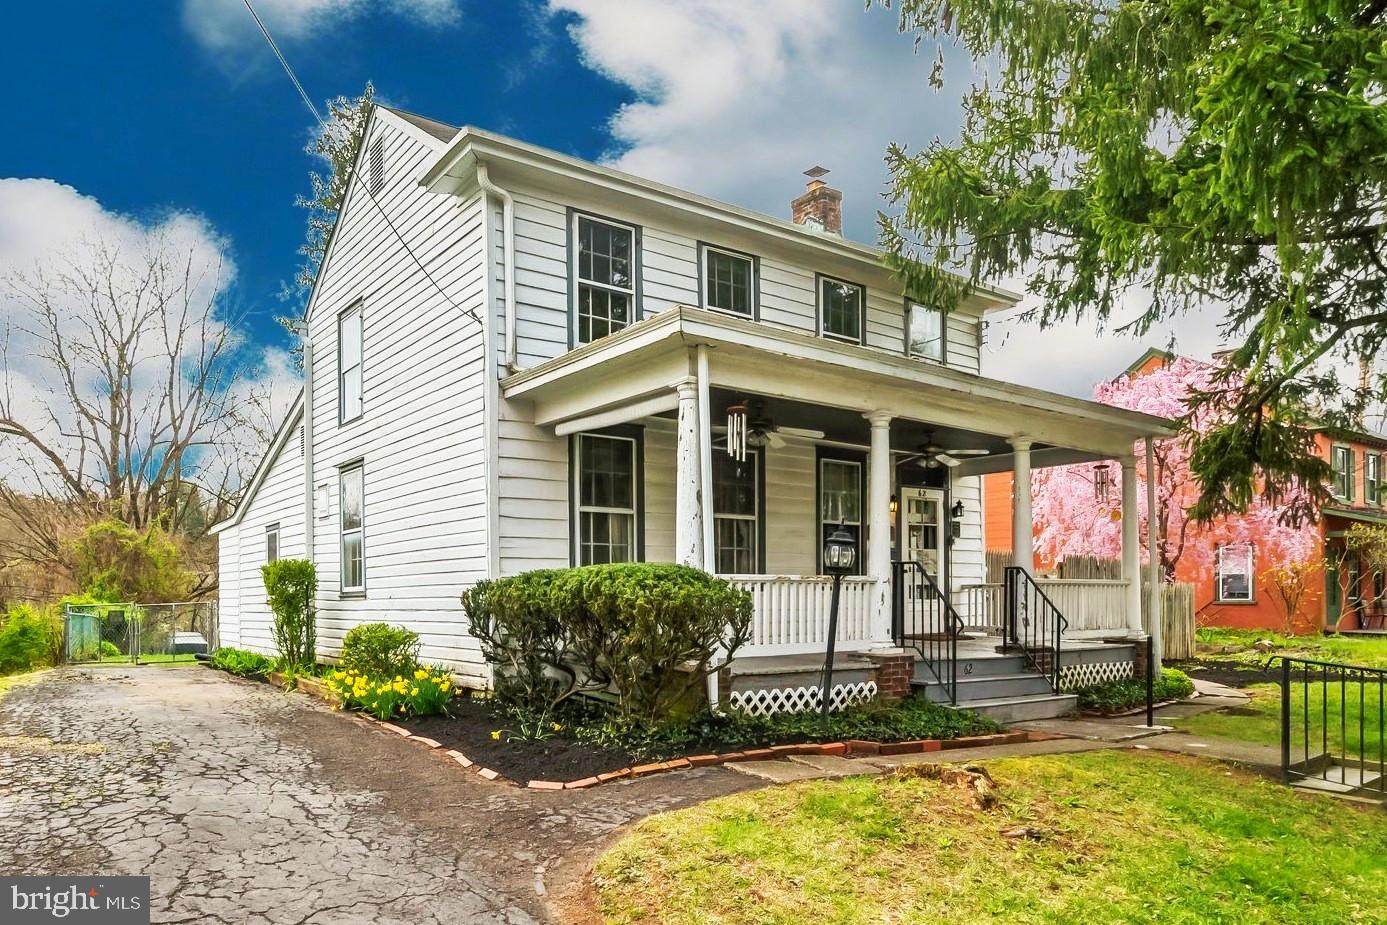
(1022, 523)
(879, 522)
(688, 498)
(1131, 545)
(705, 461)
(1153, 565)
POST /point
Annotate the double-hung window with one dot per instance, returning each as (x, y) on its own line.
(349, 364)
(736, 513)
(604, 277)
(1341, 461)
(840, 501)
(1233, 576)
(353, 527)
(729, 281)
(272, 542)
(1372, 478)
(924, 332)
(842, 307)
(607, 497)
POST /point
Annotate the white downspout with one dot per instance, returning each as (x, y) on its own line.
(307, 444)
(507, 255)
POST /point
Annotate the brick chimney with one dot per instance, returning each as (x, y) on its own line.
(821, 206)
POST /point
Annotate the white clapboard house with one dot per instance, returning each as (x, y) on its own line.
(551, 372)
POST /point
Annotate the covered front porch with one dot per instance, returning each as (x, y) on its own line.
(831, 435)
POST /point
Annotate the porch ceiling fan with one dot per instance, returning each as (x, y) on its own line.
(931, 455)
(761, 430)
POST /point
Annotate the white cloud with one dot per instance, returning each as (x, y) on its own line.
(224, 25)
(49, 231)
(734, 99)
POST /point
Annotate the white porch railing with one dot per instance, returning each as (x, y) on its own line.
(1091, 606)
(790, 613)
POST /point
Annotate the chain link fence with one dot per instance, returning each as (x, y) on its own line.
(134, 633)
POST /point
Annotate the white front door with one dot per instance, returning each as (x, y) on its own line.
(922, 527)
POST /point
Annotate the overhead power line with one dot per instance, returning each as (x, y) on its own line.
(365, 187)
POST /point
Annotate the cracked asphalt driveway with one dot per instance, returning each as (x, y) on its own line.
(244, 805)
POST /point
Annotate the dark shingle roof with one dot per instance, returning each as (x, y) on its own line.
(440, 130)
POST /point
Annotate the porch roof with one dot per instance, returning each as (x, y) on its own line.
(633, 371)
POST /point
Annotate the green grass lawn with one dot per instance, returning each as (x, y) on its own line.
(1108, 836)
(1332, 707)
(10, 681)
(1369, 651)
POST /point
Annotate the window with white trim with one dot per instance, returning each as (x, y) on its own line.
(605, 277)
(736, 510)
(840, 501)
(925, 332)
(729, 281)
(841, 307)
(606, 499)
(1233, 573)
(352, 491)
(272, 542)
(349, 364)
(1341, 462)
(1372, 479)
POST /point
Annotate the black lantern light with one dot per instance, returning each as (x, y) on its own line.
(840, 555)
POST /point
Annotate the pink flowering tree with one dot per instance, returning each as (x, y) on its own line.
(1076, 517)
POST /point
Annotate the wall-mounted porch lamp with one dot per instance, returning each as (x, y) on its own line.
(956, 520)
(840, 554)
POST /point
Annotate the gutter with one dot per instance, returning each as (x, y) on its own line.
(507, 255)
(308, 514)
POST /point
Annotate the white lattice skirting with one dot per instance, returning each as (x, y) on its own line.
(1086, 674)
(801, 699)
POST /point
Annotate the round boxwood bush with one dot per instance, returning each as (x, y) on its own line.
(378, 650)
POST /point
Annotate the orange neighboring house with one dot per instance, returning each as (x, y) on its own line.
(1234, 591)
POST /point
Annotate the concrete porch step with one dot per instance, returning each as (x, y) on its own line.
(991, 686)
(1022, 709)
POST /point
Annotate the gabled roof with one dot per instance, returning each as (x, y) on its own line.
(282, 436)
(440, 130)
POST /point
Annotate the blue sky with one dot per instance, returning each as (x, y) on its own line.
(135, 111)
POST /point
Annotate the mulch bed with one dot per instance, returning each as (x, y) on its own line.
(469, 731)
(1231, 674)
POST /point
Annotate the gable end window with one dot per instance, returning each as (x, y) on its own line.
(607, 497)
(1372, 479)
(1233, 573)
(349, 398)
(924, 332)
(352, 492)
(842, 309)
(604, 277)
(729, 281)
(1341, 462)
(272, 543)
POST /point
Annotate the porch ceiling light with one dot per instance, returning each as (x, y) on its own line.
(840, 552)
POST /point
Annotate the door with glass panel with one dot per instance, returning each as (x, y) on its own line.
(922, 527)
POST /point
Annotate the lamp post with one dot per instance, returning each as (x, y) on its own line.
(840, 553)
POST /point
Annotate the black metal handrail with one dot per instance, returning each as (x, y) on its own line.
(923, 619)
(1033, 624)
(1348, 753)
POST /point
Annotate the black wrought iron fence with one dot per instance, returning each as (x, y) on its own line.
(923, 619)
(1332, 726)
(1032, 624)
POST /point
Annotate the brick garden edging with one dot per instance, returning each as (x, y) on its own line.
(852, 748)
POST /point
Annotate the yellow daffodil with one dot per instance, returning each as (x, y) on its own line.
(414, 692)
(420, 674)
(496, 734)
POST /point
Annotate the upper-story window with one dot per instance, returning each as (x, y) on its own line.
(272, 542)
(1341, 461)
(842, 309)
(1233, 581)
(349, 364)
(1372, 478)
(604, 277)
(729, 281)
(924, 332)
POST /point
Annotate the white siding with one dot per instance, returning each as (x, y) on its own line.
(229, 587)
(278, 500)
(421, 439)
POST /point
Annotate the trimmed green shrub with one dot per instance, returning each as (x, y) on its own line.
(241, 662)
(29, 639)
(650, 633)
(290, 585)
(378, 650)
(1130, 693)
(110, 649)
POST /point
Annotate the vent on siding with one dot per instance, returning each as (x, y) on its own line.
(376, 170)
(301, 447)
